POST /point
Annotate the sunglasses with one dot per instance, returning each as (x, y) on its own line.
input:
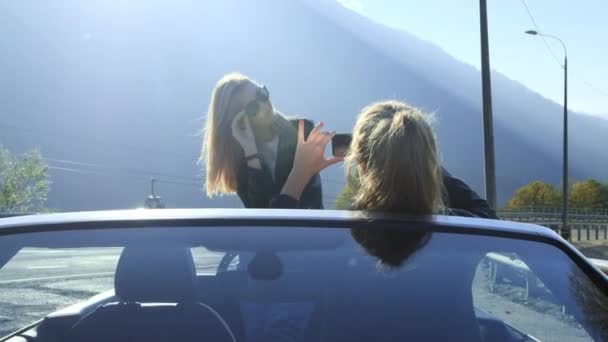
(261, 96)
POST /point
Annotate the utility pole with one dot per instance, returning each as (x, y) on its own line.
(565, 229)
(488, 124)
(565, 152)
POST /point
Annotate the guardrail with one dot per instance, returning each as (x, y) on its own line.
(552, 216)
(577, 231)
(557, 210)
(583, 224)
(601, 264)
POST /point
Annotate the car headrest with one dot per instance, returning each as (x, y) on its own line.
(160, 274)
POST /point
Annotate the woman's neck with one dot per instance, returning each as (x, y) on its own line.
(264, 133)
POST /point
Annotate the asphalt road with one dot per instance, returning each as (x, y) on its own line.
(39, 281)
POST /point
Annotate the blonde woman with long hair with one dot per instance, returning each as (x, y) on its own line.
(248, 146)
(393, 164)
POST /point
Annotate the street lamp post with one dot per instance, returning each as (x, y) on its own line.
(565, 158)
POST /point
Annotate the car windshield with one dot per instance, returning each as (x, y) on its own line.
(299, 283)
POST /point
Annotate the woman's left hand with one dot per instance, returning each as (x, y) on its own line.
(243, 134)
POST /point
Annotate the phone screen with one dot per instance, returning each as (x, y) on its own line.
(340, 144)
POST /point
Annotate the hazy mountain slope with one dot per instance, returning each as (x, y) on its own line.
(129, 96)
(519, 112)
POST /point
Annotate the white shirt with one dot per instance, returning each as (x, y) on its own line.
(269, 151)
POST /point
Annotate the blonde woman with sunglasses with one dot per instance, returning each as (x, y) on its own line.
(249, 146)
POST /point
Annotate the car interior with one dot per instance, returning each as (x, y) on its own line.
(158, 297)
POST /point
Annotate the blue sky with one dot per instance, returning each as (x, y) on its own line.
(454, 26)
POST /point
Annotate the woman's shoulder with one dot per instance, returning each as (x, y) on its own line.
(294, 120)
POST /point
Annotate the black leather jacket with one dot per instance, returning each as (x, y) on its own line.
(462, 197)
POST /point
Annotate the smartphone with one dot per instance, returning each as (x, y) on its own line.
(340, 144)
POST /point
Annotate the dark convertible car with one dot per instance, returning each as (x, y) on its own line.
(274, 275)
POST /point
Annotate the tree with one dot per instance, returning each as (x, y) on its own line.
(24, 182)
(586, 194)
(537, 194)
(344, 200)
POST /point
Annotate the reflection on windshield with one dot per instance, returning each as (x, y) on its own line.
(592, 302)
(391, 246)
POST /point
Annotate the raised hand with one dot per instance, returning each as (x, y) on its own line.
(309, 159)
(242, 132)
(310, 153)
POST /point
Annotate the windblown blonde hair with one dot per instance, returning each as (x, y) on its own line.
(220, 150)
(396, 149)
(221, 153)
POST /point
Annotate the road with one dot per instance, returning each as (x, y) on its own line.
(39, 281)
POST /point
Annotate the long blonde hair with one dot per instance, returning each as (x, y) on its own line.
(220, 150)
(395, 148)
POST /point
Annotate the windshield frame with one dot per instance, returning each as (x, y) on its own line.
(204, 218)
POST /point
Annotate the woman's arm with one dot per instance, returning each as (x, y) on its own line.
(296, 183)
(312, 196)
(253, 181)
(461, 196)
(309, 160)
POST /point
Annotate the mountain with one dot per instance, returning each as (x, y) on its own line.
(115, 92)
(522, 117)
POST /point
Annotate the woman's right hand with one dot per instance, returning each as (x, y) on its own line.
(242, 132)
(309, 160)
(310, 152)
